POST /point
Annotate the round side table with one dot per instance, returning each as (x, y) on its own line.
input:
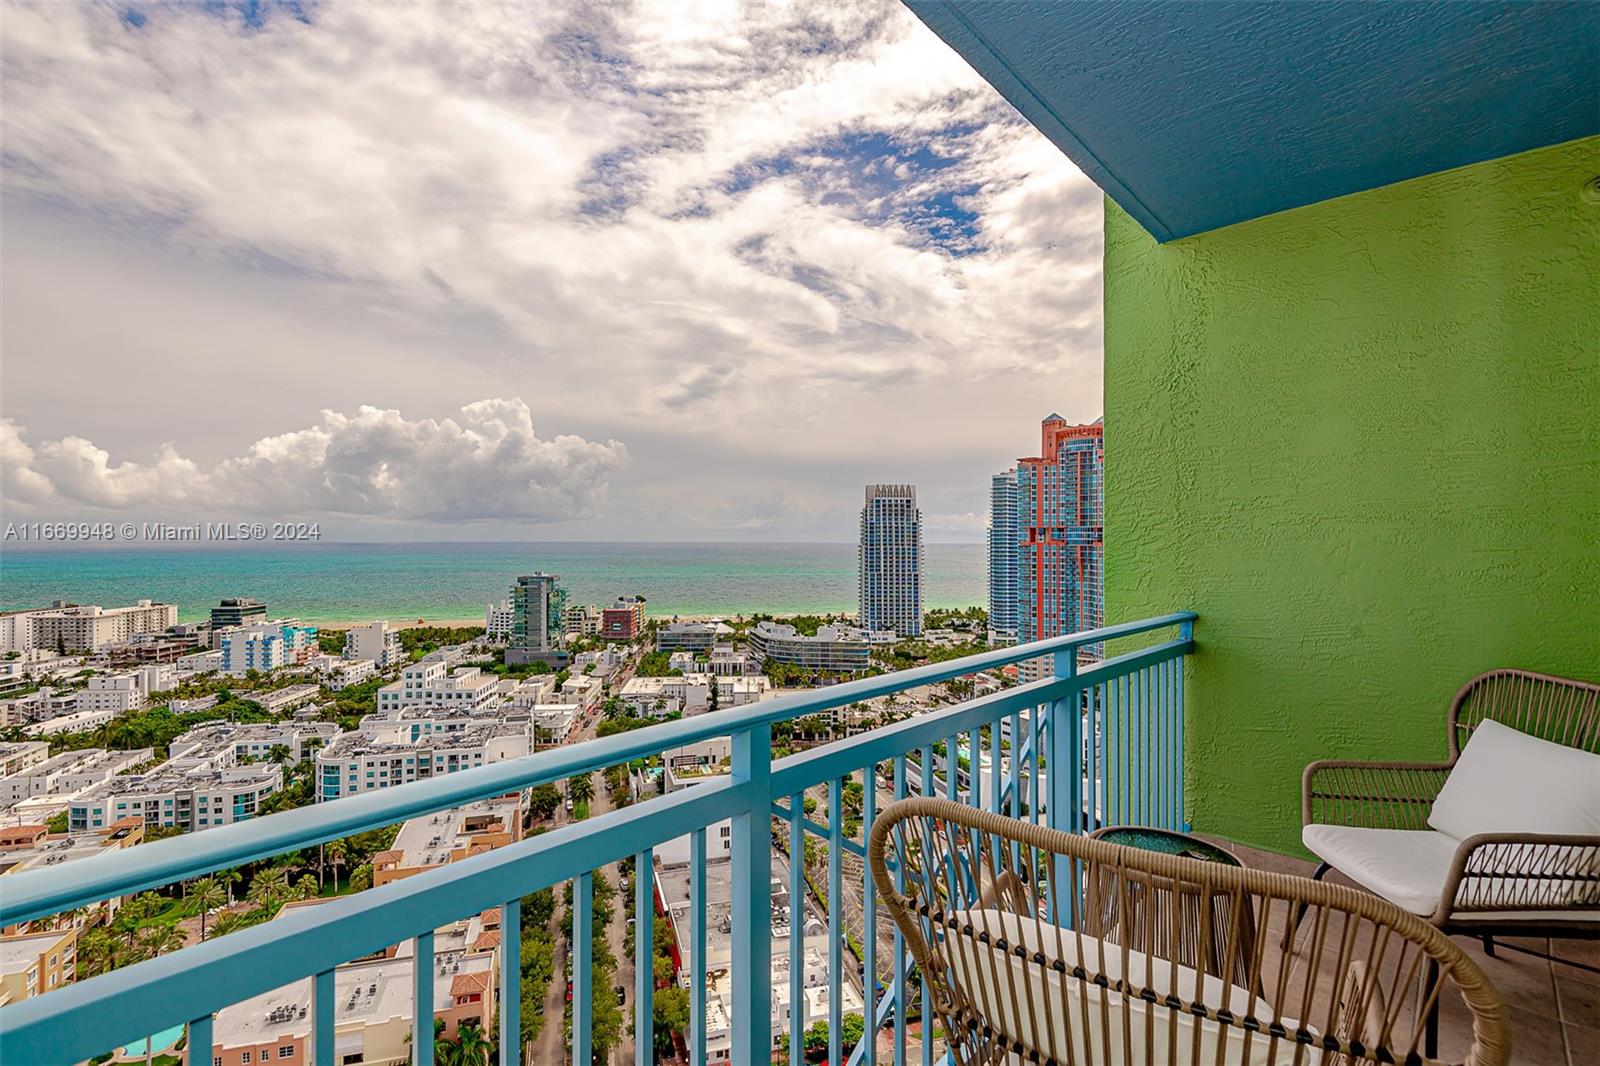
(1222, 946)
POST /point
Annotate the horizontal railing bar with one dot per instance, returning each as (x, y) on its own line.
(149, 996)
(796, 773)
(37, 893)
(817, 829)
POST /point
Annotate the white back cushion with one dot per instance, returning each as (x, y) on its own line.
(1509, 782)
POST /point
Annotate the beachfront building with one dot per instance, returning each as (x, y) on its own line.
(836, 648)
(84, 630)
(377, 642)
(689, 636)
(537, 607)
(890, 561)
(623, 620)
(237, 611)
(497, 621)
(268, 647)
(1003, 559)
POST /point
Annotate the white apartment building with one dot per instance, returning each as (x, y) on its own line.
(126, 690)
(68, 773)
(39, 706)
(601, 663)
(690, 636)
(284, 699)
(84, 630)
(681, 660)
(193, 794)
(70, 722)
(581, 620)
(19, 755)
(339, 673)
(835, 648)
(691, 693)
(413, 745)
(497, 619)
(890, 561)
(253, 741)
(376, 641)
(434, 684)
(200, 662)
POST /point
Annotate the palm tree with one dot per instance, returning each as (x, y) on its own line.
(580, 789)
(472, 1046)
(305, 888)
(338, 852)
(157, 940)
(278, 753)
(205, 896)
(269, 888)
(132, 914)
(100, 952)
(226, 923)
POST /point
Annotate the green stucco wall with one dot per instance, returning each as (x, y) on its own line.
(1362, 440)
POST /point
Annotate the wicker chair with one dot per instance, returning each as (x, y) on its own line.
(1377, 822)
(1001, 918)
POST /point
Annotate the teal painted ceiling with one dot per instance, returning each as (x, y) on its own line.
(1194, 116)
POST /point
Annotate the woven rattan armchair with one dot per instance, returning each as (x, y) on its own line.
(1478, 883)
(1025, 937)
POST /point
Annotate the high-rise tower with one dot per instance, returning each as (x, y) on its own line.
(890, 560)
(537, 605)
(1061, 542)
(1003, 559)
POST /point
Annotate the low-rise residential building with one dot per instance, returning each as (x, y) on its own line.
(18, 755)
(415, 744)
(690, 693)
(601, 663)
(338, 673)
(835, 648)
(434, 684)
(254, 741)
(111, 692)
(726, 661)
(87, 629)
(34, 963)
(147, 648)
(71, 722)
(199, 662)
(449, 836)
(682, 661)
(623, 620)
(581, 620)
(205, 784)
(69, 773)
(39, 706)
(284, 699)
(378, 642)
(586, 692)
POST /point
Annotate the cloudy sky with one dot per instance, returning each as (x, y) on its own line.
(649, 272)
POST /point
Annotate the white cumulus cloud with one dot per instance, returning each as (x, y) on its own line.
(487, 464)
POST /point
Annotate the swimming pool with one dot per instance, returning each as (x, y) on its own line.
(159, 1042)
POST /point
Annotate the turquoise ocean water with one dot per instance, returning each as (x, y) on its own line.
(358, 582)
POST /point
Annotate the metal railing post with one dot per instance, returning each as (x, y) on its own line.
(752, 899)
(1064, 776)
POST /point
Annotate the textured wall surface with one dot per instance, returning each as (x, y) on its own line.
(1362, 440)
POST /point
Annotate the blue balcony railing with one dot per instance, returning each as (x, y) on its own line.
(1116, 725)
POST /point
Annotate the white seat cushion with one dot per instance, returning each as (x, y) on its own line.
(1054, 1011)
(1509, 782)
(1407, 867)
